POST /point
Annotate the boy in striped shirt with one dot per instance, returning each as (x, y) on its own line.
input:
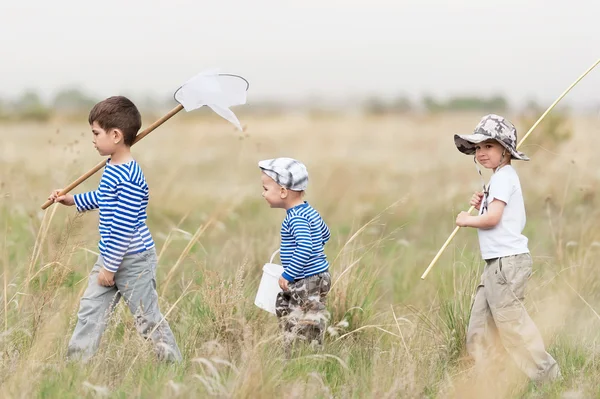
(127, 263)
(306, 280)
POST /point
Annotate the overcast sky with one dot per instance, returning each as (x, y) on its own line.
(296, 49)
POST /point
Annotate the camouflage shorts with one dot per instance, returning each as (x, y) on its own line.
(301, 310)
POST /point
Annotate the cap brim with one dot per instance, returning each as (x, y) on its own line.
(265, 164)
(518, 155)
(466, 144)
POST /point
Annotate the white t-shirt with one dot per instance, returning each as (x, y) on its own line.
(505, 238)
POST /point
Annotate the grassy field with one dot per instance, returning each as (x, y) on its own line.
(388, 187)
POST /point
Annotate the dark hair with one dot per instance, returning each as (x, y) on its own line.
(117, 112)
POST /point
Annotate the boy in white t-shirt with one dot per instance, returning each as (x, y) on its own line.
(498, 313)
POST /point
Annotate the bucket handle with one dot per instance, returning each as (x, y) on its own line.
(273, 256)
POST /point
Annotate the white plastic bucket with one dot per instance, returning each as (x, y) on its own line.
(269, 286)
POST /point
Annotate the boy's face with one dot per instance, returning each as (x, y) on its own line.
(489, 154)
(273, 193)
(105, 142)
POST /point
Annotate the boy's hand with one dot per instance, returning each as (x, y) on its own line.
(283, 283)
(106, 278)
(476, 199)
(66, 199)
(462, 219)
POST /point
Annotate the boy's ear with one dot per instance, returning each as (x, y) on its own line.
(283, 192)
(116, 135)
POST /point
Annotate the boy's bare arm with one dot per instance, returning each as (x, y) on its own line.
(488, 220)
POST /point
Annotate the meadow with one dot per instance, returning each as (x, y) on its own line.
(389, 188)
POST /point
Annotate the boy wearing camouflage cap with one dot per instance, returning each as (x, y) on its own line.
(306, 280)
(498, 313)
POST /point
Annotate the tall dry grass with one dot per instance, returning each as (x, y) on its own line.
(389, 188)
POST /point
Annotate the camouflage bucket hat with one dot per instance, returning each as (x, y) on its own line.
(491, 127)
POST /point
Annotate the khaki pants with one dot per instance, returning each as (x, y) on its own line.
(498, 316)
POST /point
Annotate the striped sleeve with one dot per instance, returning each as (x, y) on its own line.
(325, 233)
(300, 231)
(123, 225)
(86, 201)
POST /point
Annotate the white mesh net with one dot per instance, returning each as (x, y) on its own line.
(215, 90)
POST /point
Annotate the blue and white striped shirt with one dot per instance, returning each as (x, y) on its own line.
(303, 236)
(122, 197)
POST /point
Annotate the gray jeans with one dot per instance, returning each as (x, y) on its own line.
(135, 281)
(500, 323)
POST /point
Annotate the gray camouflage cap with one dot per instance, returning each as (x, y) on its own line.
(287, 172)
(491, 127)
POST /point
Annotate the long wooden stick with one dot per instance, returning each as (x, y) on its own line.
(96, 168)
(435, 259)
